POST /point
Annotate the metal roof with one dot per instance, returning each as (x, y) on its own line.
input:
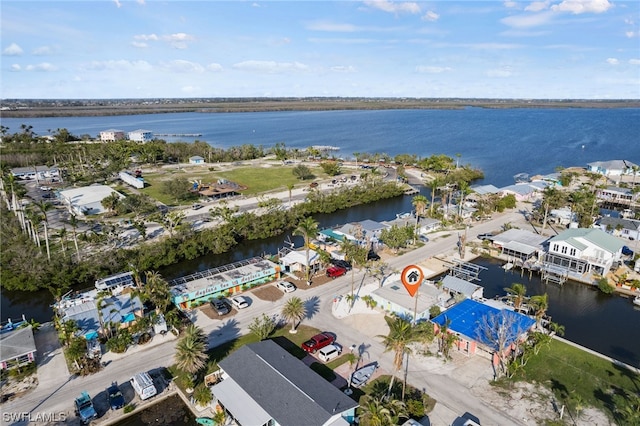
(284, 387)
(594, 236)
(459, 285)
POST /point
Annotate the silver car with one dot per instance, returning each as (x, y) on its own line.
(286, 286)
(239, 302)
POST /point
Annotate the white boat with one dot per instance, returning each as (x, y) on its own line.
(362, 375)
(636, 300)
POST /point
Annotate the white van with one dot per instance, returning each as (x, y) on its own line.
(143, 384)
(329, 352)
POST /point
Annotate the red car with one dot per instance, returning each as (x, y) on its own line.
(318, 341)
(336, 271)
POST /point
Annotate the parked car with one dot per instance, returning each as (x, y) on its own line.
(286, 286)
(318, 341)
(627, 251)
(484, 237)
(240, 302)
(84, 408)
(116, 400)
(342, 263)
(220, 307)
(197, 206)
(329, 352)
(424, 238)
(336, 271)
(143, 384)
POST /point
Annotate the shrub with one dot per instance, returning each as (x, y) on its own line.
(129, 408)
(415, 408)
(604, 286)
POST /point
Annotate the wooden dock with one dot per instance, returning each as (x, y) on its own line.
(411, 190)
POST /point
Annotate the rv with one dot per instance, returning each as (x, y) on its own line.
(143, 384)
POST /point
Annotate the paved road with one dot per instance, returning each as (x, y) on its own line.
(54, 396)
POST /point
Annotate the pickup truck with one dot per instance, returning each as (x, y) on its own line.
(84, 408)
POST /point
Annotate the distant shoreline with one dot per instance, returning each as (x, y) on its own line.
(32, 108)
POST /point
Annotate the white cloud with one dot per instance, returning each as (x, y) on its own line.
(43, 51)
(12, 50)
(140, 2)
(537, 6)
(16, 67)
(255, 5)
(634, 61)
(117, 65)
(432, 70)
(178, 40)
(343, 68)
(44, 66)
(499, 72)
(394, 7)
(331, 27)
(270, 67)
(182, 66)
(510, 4)
(118, 4)
(214, 67)
(146, 37)
(528, 20)
(430, 16)
(139, 44)
(631, 34)
(613, 61)
(582, 6)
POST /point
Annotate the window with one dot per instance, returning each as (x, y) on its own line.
(555, 247)
(572, 252)
(564, 250)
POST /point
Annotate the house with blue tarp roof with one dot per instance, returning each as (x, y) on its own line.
(469, 318)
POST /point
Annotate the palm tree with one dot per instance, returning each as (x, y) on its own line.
(374, 413)
(62, 236)
(308, 229)
(420, 203)
(43, 206)
(290, 187)
(556, 328)
(540, 305)
(294, 311)
(190, 353)
(73, 221)
(401, 335)
(434, 185)
(156, 290)
(517, 294)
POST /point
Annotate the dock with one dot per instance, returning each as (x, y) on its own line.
(411, 190)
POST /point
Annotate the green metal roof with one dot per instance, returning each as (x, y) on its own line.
(595, 236)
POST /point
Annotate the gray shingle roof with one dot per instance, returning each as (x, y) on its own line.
(284, 386)
(16, 343)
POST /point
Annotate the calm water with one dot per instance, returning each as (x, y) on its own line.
(500, 142)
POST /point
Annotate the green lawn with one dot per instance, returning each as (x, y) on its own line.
(257, 179)
(579, 378)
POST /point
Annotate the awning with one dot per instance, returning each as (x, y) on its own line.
(237, 402)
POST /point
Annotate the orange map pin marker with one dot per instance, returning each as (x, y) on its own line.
(411, 278)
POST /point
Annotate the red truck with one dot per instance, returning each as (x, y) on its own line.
(318, 341)
(336, 271)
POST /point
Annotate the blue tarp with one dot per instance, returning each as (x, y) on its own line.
(130, 317)
(467, 315)
(329, 233)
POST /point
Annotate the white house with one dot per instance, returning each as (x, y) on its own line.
(38, 173)
(297, 260)
(112, 135)
(582, 251)
(612, 168)
(263, 384)
(141, 135)
(625, 228)
(196, 159)
(615, 195)
(527, 191)
(87, 199)
(394, 298)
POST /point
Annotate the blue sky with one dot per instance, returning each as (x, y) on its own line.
(579, 49)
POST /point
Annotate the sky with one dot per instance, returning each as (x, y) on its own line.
(106, 49)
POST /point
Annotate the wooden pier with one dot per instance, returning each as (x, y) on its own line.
(411, 190)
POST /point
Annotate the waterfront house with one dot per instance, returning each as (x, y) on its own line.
(263, 384)
(364, 231)
(196, 159)
(394, 299)
(520, 245)
(17, 347)
(579, 252)
(468, 321)
(112, 135)
(296, 261)
(615, 197)
(613, 169)
(192, 290)
(527, 191)
(625, 228)
(87, 200)
(141, 136)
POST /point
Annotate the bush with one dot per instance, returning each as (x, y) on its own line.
(604, 286)
(129, 408)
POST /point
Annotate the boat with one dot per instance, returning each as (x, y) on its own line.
(361, 376)
(636, 300)
(207, 421)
